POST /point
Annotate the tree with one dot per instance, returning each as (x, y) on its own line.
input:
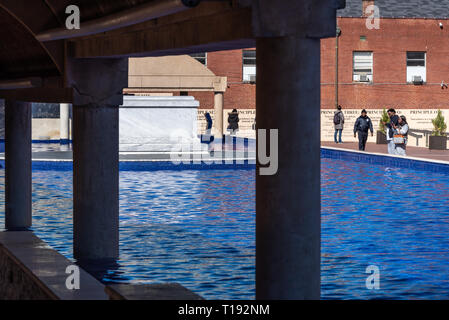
(439, 125)
(383, 119)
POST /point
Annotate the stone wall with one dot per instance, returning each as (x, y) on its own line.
(31, 270)
(45, 123)
(15, 282)
(246, 116)
(418, 119)
(45, 129)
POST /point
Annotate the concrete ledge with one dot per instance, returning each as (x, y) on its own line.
(386, 159)
(31, 270)
(168, 291)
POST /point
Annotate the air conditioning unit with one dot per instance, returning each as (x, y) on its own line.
(252, 78)
(417, 80)
(364, 78)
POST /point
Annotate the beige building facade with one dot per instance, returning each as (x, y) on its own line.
(177, 75)
(419, 120)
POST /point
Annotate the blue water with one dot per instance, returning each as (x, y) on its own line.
(197, 228)
(395, 219)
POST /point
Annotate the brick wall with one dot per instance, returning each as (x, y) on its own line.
(389, 45)
(239, 95)
(389, 89)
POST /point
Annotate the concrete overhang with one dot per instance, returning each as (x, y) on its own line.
(172, 73)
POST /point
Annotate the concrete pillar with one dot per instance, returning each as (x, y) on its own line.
(95, 182)
(288, 203)
(218, 110)
(18, 165)
(99, 84)
(64, 123)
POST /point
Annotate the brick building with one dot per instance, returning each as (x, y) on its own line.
(410, 44)
(403, 64)
(239, 67)
(241, 91)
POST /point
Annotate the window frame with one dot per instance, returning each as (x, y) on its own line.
(253, 58)
(409, 76)
(358, 73)
(197, 58)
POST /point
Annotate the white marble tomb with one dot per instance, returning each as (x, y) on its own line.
(159, 124)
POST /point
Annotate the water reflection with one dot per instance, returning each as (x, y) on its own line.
(173, 228)
(197, 228)
(394, 218)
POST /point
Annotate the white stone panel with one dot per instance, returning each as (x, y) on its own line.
(159, 124)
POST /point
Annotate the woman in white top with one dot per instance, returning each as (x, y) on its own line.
(402, 129)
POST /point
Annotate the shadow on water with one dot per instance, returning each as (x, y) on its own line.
(102, 269)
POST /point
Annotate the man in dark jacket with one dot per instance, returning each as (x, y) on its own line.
(233, 120)
(361, 126)
(207, 137)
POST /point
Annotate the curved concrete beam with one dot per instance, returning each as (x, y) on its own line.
(20, 83)
(142, 13)
(20, 20)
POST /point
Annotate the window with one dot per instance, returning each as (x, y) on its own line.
(200, 57)
(416, 67)
(249, 66)
(363, 66)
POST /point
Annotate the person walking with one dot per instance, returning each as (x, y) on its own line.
(233, 120)
(207, 137)
(339, 121)
(394, 121)
(209, 123)
(401, 136)
(361, 127)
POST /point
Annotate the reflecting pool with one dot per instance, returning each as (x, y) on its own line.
(196, 227)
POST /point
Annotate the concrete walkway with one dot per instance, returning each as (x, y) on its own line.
(416, 152)
(148, 156)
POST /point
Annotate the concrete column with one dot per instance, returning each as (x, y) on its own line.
(288, 203)
(218, 107)
(99, 84)
(18, 165)
(64, 123)
(95, 182)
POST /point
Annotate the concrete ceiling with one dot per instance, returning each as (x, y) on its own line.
(210, 26)
(21, 55)
(21, 20)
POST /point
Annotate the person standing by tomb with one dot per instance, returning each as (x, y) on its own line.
(208, 123)
(233, 122)
(339, 121)
(394, 121)
(208, 137)
(401, 135)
